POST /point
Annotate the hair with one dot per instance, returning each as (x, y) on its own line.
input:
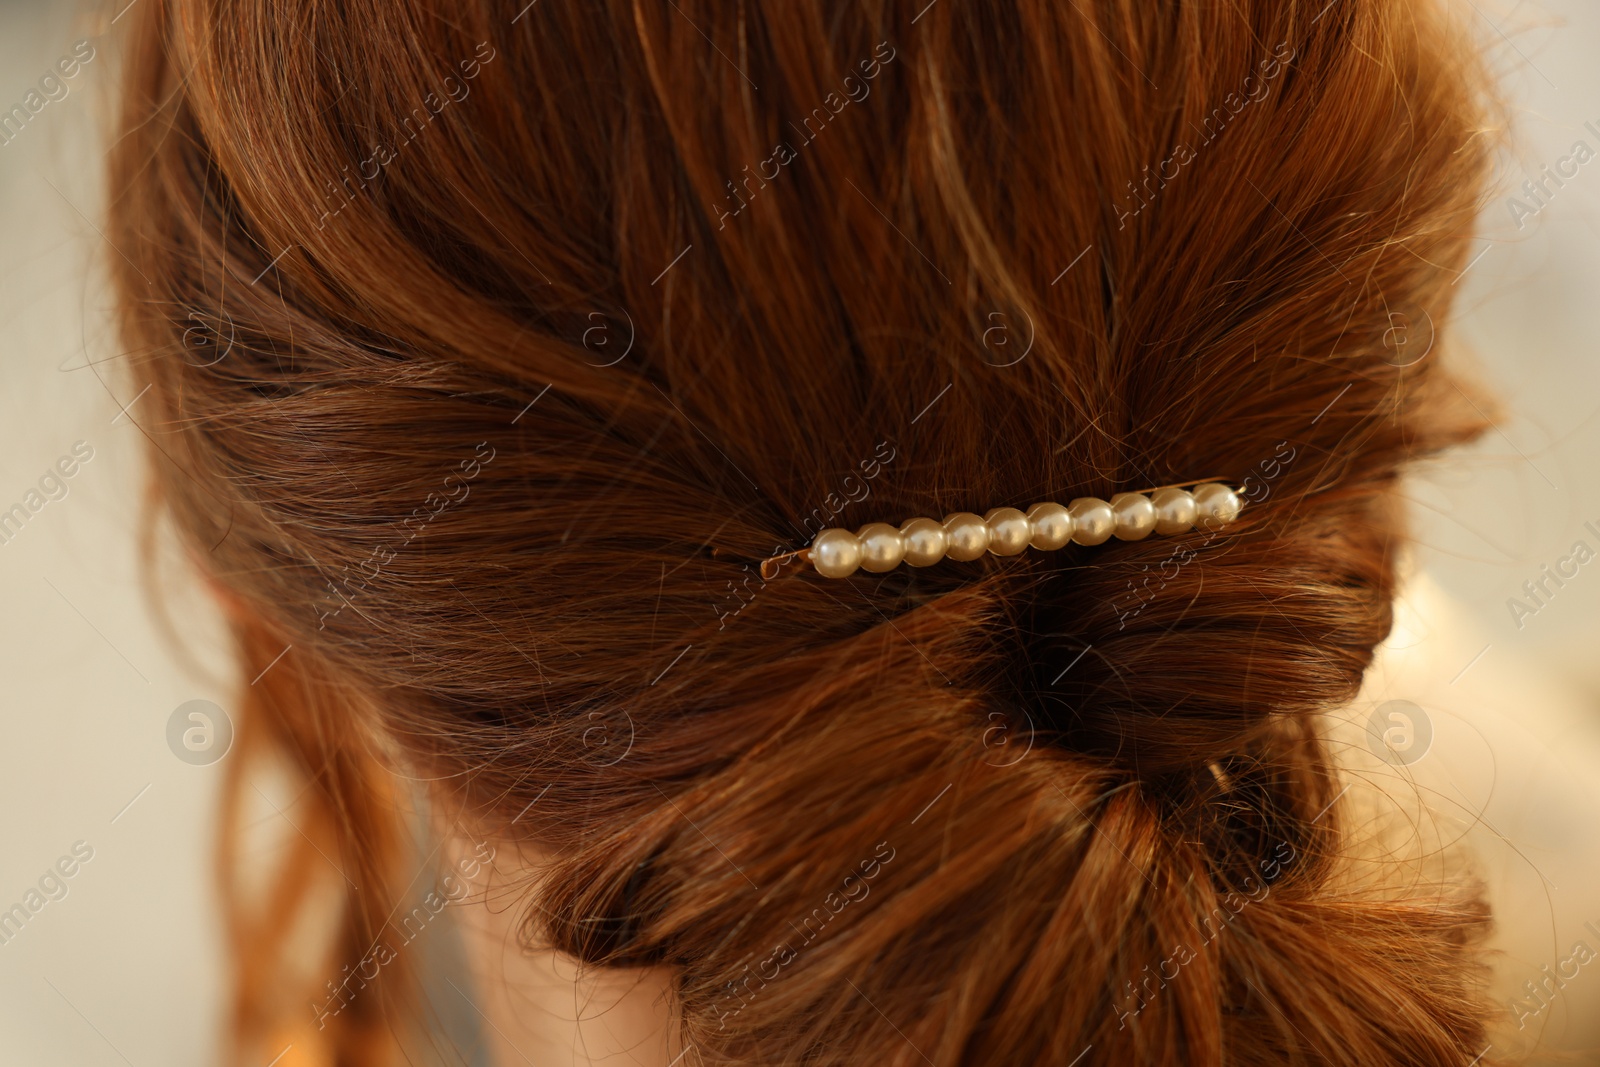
(489, 352)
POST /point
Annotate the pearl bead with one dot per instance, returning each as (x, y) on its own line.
(967, 536)
(1052, 526)
(1175, 511)
(1216, 504)
(836, 553)
(1092, 521)
(1009, 531)
(1134, 514)
(882, 547)
(926, 542)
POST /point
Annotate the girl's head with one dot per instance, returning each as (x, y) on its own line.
(491, 350)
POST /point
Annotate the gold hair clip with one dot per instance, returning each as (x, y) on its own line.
(1087, 520)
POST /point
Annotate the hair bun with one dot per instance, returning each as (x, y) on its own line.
(847, 264)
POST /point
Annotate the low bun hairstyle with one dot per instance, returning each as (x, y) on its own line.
(490, 352)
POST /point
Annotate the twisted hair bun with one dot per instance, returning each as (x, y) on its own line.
(523, 337)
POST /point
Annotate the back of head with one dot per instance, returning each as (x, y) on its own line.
(491, 351)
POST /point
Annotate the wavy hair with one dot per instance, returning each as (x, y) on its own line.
(490, 349)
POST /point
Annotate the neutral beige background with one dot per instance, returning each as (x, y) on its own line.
(125, 968)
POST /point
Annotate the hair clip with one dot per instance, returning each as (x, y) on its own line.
(963, 536)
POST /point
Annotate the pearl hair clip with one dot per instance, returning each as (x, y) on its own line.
(963, 536)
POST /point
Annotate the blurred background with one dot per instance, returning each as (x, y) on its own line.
(122, 962)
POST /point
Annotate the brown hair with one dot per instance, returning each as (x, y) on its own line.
(491, 350)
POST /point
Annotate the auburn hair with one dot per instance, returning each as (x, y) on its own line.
(490, 351)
